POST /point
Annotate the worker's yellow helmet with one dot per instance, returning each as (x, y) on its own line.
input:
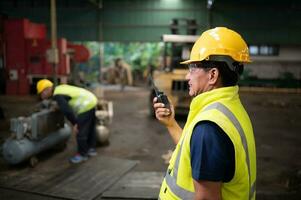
(43, 84)
(219, 41)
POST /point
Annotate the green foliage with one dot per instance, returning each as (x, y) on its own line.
(138, 55)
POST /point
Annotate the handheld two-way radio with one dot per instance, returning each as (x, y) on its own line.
(161, 97)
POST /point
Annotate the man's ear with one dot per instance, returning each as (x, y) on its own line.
(213, 76)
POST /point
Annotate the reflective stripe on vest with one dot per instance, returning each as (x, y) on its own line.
(172, 180)
(81, 100)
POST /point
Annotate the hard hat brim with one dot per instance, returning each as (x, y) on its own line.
(192, 61)
(188, 62)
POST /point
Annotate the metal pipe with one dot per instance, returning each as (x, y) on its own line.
(53, 23)
(209, 23)
(100, 35)
(209, 15)
(54, 39)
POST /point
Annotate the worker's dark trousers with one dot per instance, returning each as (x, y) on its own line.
(86, 136)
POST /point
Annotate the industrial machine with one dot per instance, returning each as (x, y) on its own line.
(104, 116)
(27, 57)
(31, 135)
(26, 61)
(47, 129)
(170, 78)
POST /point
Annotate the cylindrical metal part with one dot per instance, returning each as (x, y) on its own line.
(54, 40)
(102, 134)
(15, 151)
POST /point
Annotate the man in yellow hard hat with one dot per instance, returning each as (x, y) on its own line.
(215, 155)
(78, 105)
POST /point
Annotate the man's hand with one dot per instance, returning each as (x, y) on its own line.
(167, 117)
(75, 129)
(164, 115)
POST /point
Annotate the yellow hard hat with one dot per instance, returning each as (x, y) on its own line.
(219, 41)
(43, 84)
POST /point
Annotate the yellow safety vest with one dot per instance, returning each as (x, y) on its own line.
(81, 100)
(223, 107)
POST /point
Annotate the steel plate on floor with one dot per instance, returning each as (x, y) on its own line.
(84, 181)
(136, 185)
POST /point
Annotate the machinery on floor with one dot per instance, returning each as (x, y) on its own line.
(34, 134)
(104, 116)
(46, 129)
(170, 78)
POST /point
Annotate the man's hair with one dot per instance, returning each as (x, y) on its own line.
(228, 76)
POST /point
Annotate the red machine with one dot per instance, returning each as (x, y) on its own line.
(25, 55)
(79, 53)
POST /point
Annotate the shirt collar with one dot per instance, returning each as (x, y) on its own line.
(202, 100)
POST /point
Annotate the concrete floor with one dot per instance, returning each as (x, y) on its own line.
(134, 135)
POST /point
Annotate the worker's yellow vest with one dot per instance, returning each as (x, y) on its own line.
(81, 100)
(223, 107)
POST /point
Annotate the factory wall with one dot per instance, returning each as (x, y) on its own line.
(272, 22)
(271, 67)
(259, 22)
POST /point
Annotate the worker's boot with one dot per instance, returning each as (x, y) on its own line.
(78, 158)
(92, 152)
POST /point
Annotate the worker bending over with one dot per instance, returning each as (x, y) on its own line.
(78, 106)
(215, 155)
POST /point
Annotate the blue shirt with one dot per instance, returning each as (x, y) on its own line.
(212, 153)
